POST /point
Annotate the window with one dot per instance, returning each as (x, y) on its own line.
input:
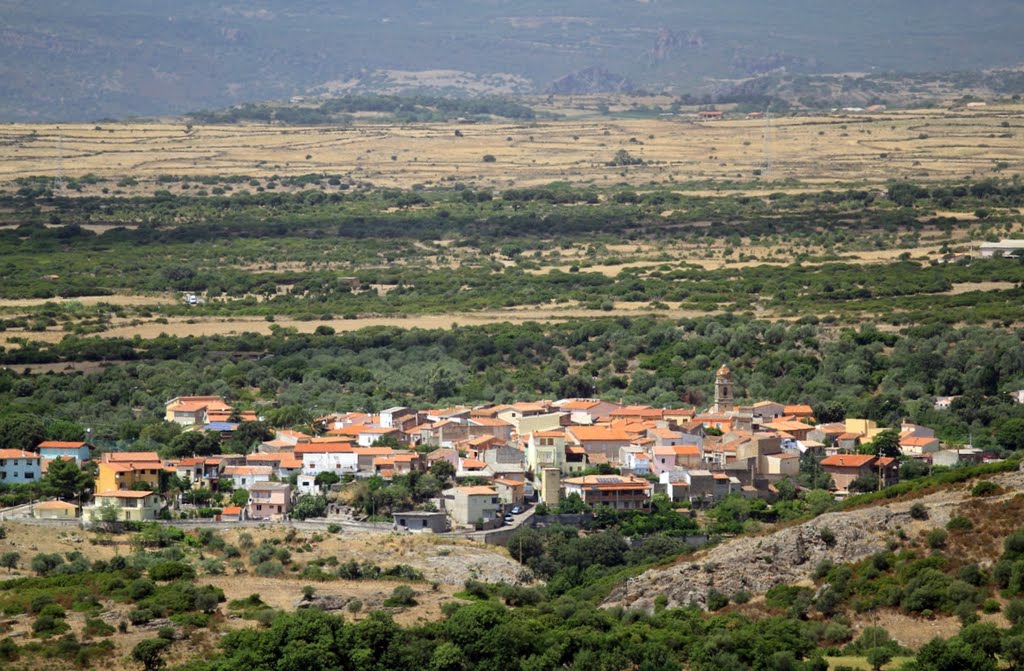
(3, 475)
(29, 475)
(424, 523)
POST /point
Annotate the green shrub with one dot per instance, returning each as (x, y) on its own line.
(919, 511)
(141, 588)
(985, 488)
(937, 539)
(1014, 611)
(8, 649)
(139, 616)
(96, 627)
(49, 622)
(959, 523)
(403, 595)
(171, 570)
(269, 569)
(715, 600)
(194, 620)
(149, 652)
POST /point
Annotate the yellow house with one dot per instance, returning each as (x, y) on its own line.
(54, 510)
(127, 475)
(128, 506)
(865, 427)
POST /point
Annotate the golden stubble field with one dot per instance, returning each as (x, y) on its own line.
(843, 147)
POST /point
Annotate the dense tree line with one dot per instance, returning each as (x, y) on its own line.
(403, 109)
(865, 372)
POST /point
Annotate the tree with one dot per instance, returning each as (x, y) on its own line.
(829, 411)
(198, 443)
(878, 657)
(65, 479)
(886, 444)
(240, 497)
(442, 470)
(62, 429)
(150, 653)
(1010, 434)
(309, 506)
(9, 560)
(525, 544)
(953, 655)
(21, 432)
(44, 563)
(247, 436)
(108, 515)
(325, 479)
(572, 503)
(865, 483)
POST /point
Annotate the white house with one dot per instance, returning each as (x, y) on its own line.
(319, 458)
(246, 476)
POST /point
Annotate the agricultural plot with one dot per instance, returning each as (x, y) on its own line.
(844, 147)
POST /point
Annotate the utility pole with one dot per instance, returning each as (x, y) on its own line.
(59, 182)
(766, 161)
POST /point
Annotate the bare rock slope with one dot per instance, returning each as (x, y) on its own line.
(757, 563)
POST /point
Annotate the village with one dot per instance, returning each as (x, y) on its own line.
(499, 461)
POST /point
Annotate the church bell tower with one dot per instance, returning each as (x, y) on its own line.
(723, 390)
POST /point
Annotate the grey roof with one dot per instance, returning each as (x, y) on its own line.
(272, 486)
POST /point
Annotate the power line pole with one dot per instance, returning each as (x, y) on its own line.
(59, 183)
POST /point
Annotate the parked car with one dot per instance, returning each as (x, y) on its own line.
(516, 510)
(509, 518)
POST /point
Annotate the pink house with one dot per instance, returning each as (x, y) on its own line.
(269, 500)
(670, 457)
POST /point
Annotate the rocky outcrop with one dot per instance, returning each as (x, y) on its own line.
(755, 564)
(591, 80)
(323, 602)
(669, 43)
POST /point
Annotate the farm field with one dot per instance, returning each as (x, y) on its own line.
(844, 147)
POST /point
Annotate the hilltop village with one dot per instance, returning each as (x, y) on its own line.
(478, 468)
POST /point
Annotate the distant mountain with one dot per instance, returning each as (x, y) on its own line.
(88, 59)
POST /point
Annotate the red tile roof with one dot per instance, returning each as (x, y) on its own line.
(848, 460)
(71, 444)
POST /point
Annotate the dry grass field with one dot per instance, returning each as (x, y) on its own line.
(846, 147)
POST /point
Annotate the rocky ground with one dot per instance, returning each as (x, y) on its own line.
(787, 556)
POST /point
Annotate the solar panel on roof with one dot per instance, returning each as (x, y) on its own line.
(607, 480)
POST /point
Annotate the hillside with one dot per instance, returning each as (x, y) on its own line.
(789, 556)
(86, 60)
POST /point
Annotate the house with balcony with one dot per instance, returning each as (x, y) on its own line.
(269, 501)
(126, 505)
(621, 492)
